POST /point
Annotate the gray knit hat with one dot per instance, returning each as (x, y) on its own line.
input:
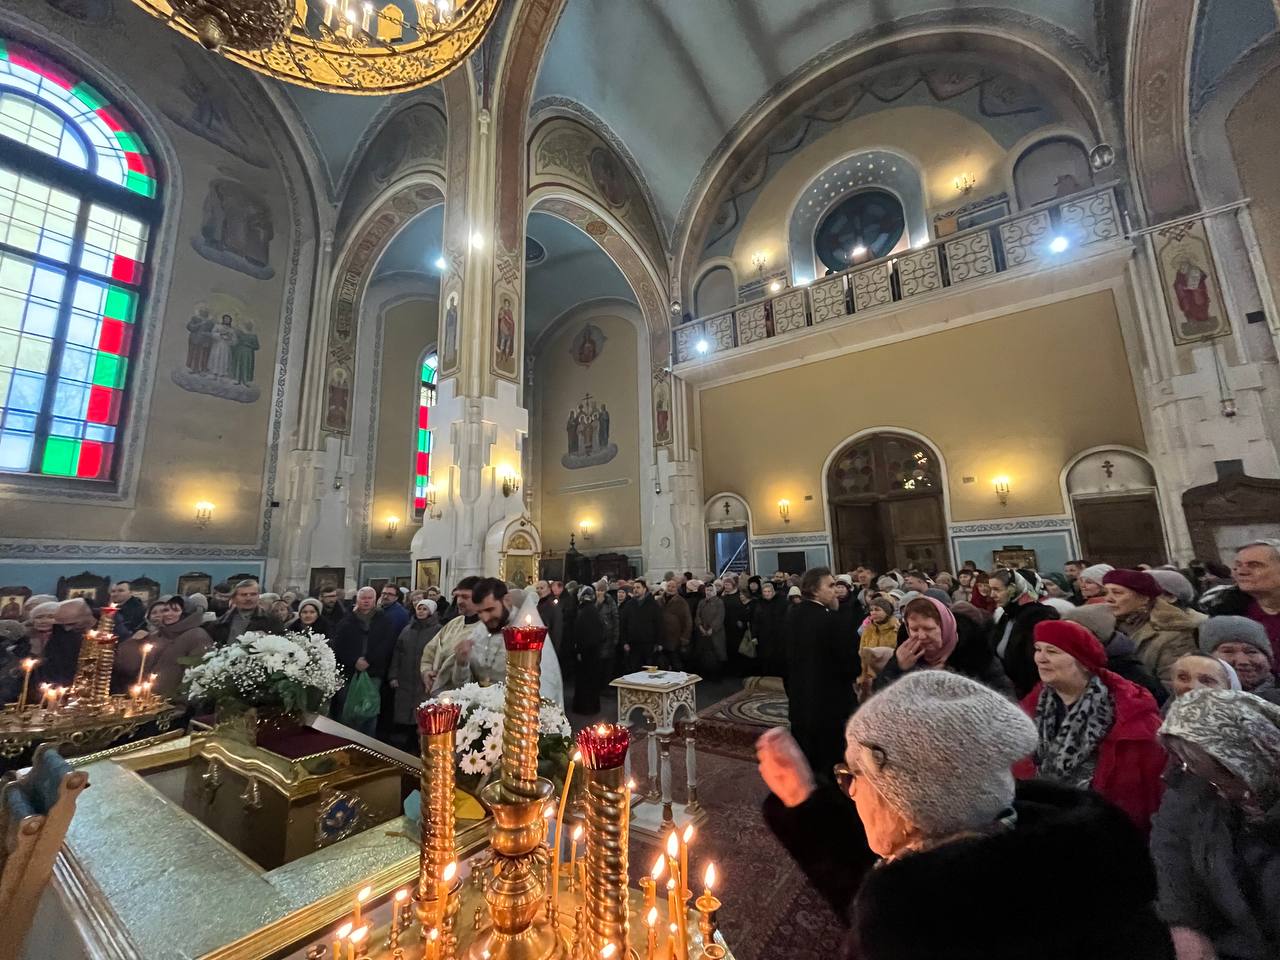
(1097, 618)
(1216, 631)
(938, 747)
(1096, 572)
(1175, 584)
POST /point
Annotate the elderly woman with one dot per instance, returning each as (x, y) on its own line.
(708, 634)
(1097, 730)
(938, 640)
(404, 675)
(1161, 631)
(311, 618)
(927, 767)
(1244, 644)
(180, 637)
(1016, 594)
(1195, 671)
(1090, 582)
(1216, 839)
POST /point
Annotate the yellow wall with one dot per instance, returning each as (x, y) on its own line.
(561, 383)
(1017, 395)
(1255, 143)
(407, 330)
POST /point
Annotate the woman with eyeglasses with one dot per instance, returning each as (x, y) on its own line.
(1216, 839)
(940, 856)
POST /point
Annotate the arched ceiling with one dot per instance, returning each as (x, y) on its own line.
(575, 270)
(1227, 29)
(672, 79)
(415, 248)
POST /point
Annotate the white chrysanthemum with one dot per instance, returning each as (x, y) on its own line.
(472, 763)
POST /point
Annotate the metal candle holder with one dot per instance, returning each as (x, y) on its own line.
(604, 751)
(437, 726)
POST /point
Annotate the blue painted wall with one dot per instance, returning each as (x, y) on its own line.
(1053, 548)
(764, 560)
(42, 575)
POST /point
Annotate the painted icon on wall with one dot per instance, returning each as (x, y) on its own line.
(449, 354)
(236, 229)
(1190, 282)
(661, 408)
(504, 339)
(587, 433)
(222, 348)
(586, 347)
(337, 399)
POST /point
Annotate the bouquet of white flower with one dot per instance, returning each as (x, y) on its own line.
(479, 737)
(292, 672)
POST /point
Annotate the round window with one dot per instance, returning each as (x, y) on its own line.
(861, 227)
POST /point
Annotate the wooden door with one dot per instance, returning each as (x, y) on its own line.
(1122, 531)
(858, 535)
(917, 533)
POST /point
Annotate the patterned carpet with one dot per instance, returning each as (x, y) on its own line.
(770, 911)
(731, 726)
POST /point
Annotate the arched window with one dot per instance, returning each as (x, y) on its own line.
(864, 226)
(422, 451)
(78, 201)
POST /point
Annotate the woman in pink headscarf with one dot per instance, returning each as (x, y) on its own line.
(939, 640)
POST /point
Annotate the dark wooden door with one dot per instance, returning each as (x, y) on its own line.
(859, 536)
(1122, 531)
(917, 533)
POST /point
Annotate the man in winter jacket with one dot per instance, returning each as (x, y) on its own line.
(640, 627)
(1256, 594)
(130, 612)
(363, 643)
(677, 625)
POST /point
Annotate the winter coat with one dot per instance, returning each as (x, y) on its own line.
(1122, 658)
(677, 622)
(880, 634)
(1268, 690)
(375, 641)
(822, 671)
(737, 616)
(971, 658)
(131, 616)
(58, 659)
(1018, 654)
(1130, 758)
(185, 639)
(398, 615)
(709, 620)
(405, 669)
(1219, 874)
(641, 623)
(1167, 634)
(549, 611)
(609, 617)
(985, 896)
(768, 623)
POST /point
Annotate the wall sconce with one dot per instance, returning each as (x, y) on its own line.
(584, 530)
(204, 513)
(760, 260)
(784, 510)
(964, 183)
(431, 497)
(393, 524)
(510, 481)
(1002, 489)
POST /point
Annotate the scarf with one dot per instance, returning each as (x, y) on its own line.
(1069, 736)
(1239, 730)
(950, 636)
(981, 602)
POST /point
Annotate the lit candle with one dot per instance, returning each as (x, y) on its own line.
(442, 892)
(397, 909)
(28, 665)
(364, 894)
(673, 950)
(685, 838)
(146, 691)
(709, 879)
(673, 914)
(46, 694)
(651, 922)
(338, 937)
(433, 944)
(135, 691)
(649, 884)
(354, 948)
(559, 836)
(146, 649)
(573, 854)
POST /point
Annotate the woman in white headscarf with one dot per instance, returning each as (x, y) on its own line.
(1018, 610)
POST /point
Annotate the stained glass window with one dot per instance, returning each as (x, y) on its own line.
(77, 203)
(422, 447)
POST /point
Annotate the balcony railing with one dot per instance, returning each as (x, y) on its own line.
(1041, 235)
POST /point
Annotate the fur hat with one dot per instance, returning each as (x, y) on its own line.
(1174, 584)
(33, 601)
(938, 747)
(1096, 572)
(1139, 581)
(884, 604)
(1097, 618)
(1075, 639)
(1216, 631)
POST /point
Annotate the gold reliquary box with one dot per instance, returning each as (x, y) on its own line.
(203, 845)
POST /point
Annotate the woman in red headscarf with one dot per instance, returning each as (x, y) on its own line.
(939, 640)
(1097, 729)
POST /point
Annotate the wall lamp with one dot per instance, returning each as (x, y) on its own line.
(585, 528)
(431, 497)
(204, 513)
(393, 524)
(784, 510)
(510, 481)
(964, 183)
(1002, 489)
(759, 260)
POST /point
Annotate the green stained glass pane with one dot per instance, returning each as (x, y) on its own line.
(140, 183)
(4, 50)
(108, 370)
(88, 96)
(129, 143)
(60, 457)
(120, 304)
(423, 446)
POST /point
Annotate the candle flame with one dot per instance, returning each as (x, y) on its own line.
(709, 878)
(135, 689)
(688, 834)
(364, 894)
(608, 951)
(673, 929)
(343, 931)
(577, 833)
(435, 934)
(631, 785)
(449, 872)
(673, 845)
(550, 811)
(29, 664)
(153, 677)
(659, 867)
(577, 756)
(147, 647)
(528, 619)
(671, 884)
(358, 935)
(602, 729)
(651, 917)
(402, 896)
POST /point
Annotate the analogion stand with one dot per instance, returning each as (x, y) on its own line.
(660, 695)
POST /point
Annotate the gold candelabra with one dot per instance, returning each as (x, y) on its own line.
(604, 751)
(437, 725)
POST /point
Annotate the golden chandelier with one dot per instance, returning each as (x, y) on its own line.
(345, 46)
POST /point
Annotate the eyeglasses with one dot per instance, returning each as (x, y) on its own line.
(845, 778)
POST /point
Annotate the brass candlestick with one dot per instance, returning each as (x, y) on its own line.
(604, 751)
(707, 906)
(104, 636)
(437, 726)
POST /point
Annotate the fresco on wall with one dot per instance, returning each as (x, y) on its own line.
(504, 340)
(661, 407)
(222, 348)
(207, 112)
(337, 399)
(449, 353)
(237, 229)
(586, 347)
(1190, 282)
(413, 140)
(587, 434)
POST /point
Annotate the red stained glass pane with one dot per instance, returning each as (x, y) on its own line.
(419, 503)
(104, 405)
(112, 119)
(44, 68)
(114, 337)
(137, 163)
(92, 456)
(422, 417)
(423, 460)
(125, 269)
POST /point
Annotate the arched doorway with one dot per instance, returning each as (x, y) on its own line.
(1114, 500)
(728, 534)
(885, 495)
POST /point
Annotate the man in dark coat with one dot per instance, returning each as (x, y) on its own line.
(677, 626)
(641, 627)
(130, 612)
(244, 615)
(1256, 593)
(822, 670)
(363, 642)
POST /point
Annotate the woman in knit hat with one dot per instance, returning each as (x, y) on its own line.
(1016, 593)
(1090, 582)
(311, 619)
(1161, 632)
(1097, 730)
(1216, 839)
(939, 640)
(927, 765)
(404, 675)
(1244, 644)
(1122, 653)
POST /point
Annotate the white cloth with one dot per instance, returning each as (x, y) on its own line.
(552, 682)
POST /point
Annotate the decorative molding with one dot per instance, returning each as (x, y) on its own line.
(100, 550)
(982, 528)
(595, 485)
(817, 538)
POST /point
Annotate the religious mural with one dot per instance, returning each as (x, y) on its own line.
(587, 431)
(449, 352)
(587, 345)
(412, 140)
(504, 339)
(207, 112)
(1190, 282)
(337, 400)
(222, 348)
(237, 229)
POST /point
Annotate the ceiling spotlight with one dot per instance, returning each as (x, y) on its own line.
(702, 346)
(859, 251)
(442, 264)
(477, 241)
(1059, 244)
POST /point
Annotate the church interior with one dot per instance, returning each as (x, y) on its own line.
(576, 291)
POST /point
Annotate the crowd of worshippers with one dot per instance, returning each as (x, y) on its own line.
(1034, 743)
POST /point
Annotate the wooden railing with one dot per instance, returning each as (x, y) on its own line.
(1044, 234)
